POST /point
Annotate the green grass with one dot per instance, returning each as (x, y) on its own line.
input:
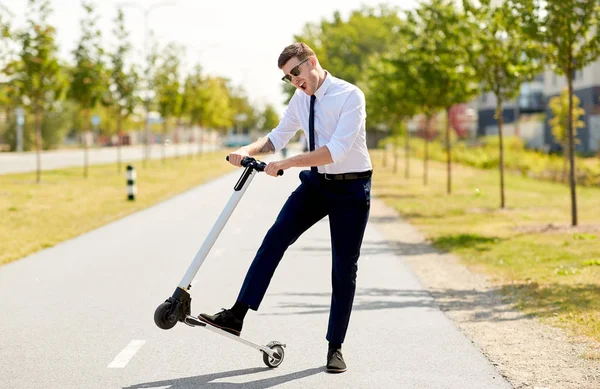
(64, 205)
(549, 270)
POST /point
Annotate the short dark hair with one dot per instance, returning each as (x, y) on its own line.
(298, 49)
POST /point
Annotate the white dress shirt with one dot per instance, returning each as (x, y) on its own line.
(340, 117)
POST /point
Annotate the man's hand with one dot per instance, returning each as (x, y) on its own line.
(273, 167)
(235, 158)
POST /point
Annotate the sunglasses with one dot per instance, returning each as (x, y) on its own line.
(294, 72)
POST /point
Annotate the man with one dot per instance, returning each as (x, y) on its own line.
(332, 114)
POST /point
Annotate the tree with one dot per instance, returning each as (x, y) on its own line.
(194, 98)
(123, 82)
(446, 35)
(560, 108)
(88, 84)
(502, 57)
(388, 103)
(434, 65)
(8, 98)
(148, 93)
(241, 108)
(38, 78)
(217, 112)
(411, 64)
(168, 86)
(344, 47)
(269, 118)
(209, 101)
(568, 33)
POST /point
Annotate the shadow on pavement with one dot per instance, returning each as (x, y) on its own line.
(382, 247)
(204, 381)
(485, 305)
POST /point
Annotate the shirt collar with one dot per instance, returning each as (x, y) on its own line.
(323, 88)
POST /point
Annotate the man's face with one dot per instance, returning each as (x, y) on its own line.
(301, 74)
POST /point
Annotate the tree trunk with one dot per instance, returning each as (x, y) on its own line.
(565, 148)
(406, 153)
(119, 141)
(192, 139)
(448, 155)
(571, 141)
(86, 114)
(164, 141)
(38, 143)
(426, 156)
(147, 131)
(396, 153)
(177, 137)
(501, 145)
(190, 143)
(517, 116)
(200, 141)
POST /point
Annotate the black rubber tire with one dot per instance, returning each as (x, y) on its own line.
(274, 362)
(163, 317)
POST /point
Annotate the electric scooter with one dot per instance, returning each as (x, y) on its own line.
(178, 306)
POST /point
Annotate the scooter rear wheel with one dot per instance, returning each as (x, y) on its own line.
(274, 362)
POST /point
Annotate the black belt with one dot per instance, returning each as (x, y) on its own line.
(347, 176)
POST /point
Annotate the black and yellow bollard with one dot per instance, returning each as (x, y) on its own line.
(131, 186)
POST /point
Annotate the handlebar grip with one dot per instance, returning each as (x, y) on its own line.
(245, 160)
(261, 166)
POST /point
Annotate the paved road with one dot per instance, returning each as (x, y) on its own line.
(68, 312)
(26, 162)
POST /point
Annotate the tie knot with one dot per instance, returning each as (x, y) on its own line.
(312, 98)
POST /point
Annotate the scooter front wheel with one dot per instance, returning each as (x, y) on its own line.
(164, 316)
(276, 361)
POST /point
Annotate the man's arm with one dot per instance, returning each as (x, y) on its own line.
(319, 157)
(261, 146)
(351, 122)
(281, 135)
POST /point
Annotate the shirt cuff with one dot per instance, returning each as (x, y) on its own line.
(275, 142)
(337, 154)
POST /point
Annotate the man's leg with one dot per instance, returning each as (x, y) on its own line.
(304, 208)
(349, 206)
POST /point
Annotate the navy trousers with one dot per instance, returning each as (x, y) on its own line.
(347, 203)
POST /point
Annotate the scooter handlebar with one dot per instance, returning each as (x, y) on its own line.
(255, 164)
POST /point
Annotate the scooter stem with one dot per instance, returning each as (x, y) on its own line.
(210, 240)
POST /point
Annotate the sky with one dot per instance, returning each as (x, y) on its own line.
(237, 39)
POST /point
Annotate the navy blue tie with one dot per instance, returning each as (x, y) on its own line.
(311, 128)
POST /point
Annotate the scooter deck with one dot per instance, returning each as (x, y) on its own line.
(195, 322)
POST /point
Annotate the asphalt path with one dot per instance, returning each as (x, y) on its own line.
(80, 314)
(26, 161)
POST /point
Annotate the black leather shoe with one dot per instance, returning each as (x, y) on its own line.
(335, 361)
(224, 320)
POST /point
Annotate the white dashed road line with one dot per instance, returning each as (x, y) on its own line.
(125, 356)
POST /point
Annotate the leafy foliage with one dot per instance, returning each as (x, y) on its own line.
(87, 85)
(560, 108)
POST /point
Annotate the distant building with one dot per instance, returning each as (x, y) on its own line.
(586, 85)
(534, 112)
(530, 108)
